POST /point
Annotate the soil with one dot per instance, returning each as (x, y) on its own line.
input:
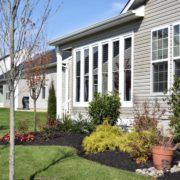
(115, 159)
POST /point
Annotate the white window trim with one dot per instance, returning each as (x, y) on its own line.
(152, 93)
(174, 58)
(121, 80)
(99, 44)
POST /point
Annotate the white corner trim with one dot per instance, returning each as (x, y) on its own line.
(140, 11)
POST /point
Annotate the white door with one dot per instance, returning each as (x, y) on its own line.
(1, 95)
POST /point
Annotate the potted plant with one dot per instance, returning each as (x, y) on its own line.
(163, 152)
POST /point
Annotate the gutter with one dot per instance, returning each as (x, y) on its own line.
(117, 20)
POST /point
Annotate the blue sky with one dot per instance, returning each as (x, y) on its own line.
(76, 14)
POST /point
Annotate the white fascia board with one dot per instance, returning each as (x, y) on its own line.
(127, 7)
(140, 11)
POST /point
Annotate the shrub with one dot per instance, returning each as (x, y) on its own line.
(23, 125)
(146, 116)
(51, 113)
(174, 102)
(105, 137)
(138, 144)
(66, 124)
(82, 125)
(104, 106)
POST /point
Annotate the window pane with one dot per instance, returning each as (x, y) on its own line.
(116, 66)
(104, 68)
(176, 41)
(127, 69)
(78, 89)
(95, 70)
(43, 92)
(78, 66)
(86, 75)
(86, 61)
(160, 76)
(160, 44)
(86, 88)
(78, 71)
(104, 82)
(115, 48)
(177, 68)
(155, 35)
(176, 29)
(176, 51)
(95, 84)
(105, 53)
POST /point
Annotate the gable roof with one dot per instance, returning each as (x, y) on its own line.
(132, 4)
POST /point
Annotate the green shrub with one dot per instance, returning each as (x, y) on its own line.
(82, 125)
(174, 102)
(23, 125)
(104, 106)
(66, 124)
(138, 144)
(105, 137)
(51, 113)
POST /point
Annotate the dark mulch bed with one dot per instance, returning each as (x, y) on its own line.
(115, 159)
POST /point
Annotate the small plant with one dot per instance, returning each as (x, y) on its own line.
(23, 125)
(146, 116)
(51, 113)
(66, 124)
(82, 125)
(173, 100)
(138, 144)
(19, 138)
(104, 106)
(105, 137)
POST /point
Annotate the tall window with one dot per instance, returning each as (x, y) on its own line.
(95, 69)
(86, 75)
(78, 73)
(160, 53)
(176, 49)
(104, 68)
(115, 66)
(127, 68)
(43, 92)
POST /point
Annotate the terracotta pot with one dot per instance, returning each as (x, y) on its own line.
(162, 153)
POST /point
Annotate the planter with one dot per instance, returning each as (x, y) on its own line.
(162, 153)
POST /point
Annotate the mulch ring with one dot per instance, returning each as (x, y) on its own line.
(115, 159)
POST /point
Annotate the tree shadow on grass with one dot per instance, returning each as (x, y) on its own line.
(54, 162)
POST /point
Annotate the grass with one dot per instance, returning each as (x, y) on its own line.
(52, 162)
(19, 115)
(58, 163)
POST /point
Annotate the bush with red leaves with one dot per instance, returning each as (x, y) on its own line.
(19, 138)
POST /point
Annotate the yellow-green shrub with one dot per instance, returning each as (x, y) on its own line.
(138, 144)
(105, 137)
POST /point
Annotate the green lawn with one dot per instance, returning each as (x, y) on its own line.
(4, 119)
(52, 162)
(58, 163)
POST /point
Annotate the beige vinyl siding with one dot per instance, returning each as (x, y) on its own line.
(157, 13)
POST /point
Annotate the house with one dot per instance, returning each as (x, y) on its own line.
(22, 90)
(135, 53)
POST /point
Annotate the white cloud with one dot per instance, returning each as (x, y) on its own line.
(117, 6)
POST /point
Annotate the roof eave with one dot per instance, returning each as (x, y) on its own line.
(117, 20)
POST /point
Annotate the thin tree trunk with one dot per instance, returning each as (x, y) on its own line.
(11, 150)
(34, 115)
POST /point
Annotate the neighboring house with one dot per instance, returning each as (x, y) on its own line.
(136, 53)
(22, 89)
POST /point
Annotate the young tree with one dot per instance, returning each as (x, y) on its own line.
(51, 114)
(35, 70)
(21, 28)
